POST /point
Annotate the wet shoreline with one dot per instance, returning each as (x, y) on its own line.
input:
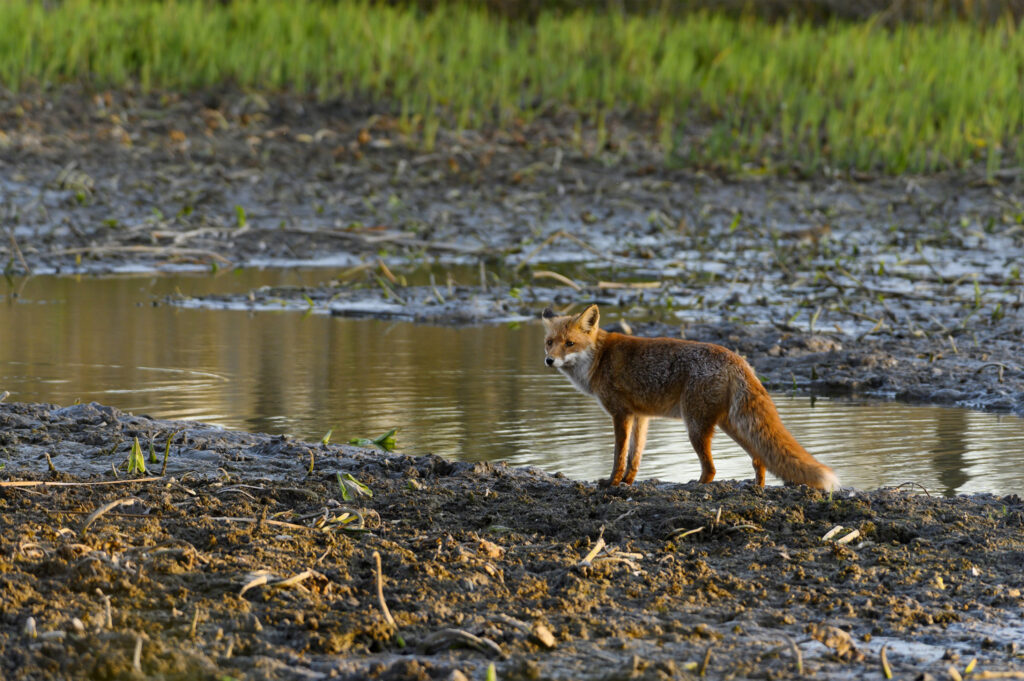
(217, 572)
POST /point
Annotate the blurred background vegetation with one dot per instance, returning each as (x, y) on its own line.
(917, 85)
(886, 11)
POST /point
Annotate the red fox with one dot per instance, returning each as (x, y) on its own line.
(703, 384)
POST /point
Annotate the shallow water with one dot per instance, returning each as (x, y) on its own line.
(477, 393)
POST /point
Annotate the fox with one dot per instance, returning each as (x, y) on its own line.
(704, 384)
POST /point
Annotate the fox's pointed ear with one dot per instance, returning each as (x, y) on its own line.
(546, 316)
(589, 319)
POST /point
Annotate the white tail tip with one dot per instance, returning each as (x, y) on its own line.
(830, 481)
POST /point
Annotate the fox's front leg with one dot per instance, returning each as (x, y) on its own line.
(623, 433)
(637, 448)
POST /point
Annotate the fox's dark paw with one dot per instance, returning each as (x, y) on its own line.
(607, 483)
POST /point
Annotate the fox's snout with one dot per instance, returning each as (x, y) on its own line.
(550, 361)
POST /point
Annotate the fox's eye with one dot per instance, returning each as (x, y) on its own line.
(569, 344)
(549, 342)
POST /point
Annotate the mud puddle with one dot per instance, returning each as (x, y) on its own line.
(865, 337)
(218, 574)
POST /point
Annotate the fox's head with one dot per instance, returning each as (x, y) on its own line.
(569, 339)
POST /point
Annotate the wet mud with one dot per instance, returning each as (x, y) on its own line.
(255, 557)
(111, 180)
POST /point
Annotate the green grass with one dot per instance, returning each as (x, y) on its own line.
(724, 91)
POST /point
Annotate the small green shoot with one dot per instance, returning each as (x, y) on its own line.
(152, 453)
(385, 441)
(326, 439)
(492, 674)
(167, 451)
(349, 486)
(240, 216)
(136, 461)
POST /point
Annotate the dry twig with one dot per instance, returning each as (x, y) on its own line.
(44, 483)
(106, 507)
(886, 669)
(561, 278)
(380, 591)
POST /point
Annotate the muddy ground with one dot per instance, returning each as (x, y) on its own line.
(244, 562)
(840, 283)
(212, 571)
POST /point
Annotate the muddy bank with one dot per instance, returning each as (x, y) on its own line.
(109, 180)
(248, 560)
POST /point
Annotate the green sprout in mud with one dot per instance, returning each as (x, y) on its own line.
(240, 218)
(167, 451)
(385, 441)
(326, 439)
(136, 461)
(349, 486)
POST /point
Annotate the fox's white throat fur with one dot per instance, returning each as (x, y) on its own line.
(576, 366)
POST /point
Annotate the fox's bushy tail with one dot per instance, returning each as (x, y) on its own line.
(755, 422)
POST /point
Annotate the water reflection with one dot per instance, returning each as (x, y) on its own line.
(473, 393)
(951, 451)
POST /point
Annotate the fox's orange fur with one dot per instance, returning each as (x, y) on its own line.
(703, 384)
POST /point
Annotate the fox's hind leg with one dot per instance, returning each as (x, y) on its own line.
(742, 442)
(700, 438)
(623, 432)
(636, 449)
